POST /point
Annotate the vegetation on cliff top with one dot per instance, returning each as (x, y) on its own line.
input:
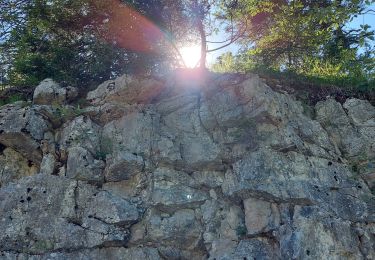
(84, 42)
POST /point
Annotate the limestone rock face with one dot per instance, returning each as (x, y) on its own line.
(183, 167)
(352, 127)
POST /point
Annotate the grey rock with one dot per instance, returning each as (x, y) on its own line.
(174, 189)
(126, 89)
(260, 216)
(333, 118)
(182, 126)
(71, 93)
(81, 165)
(13, 166)
(296, 178)
(223, 222)
(22, 128)
(182, 226)
(108, 112)
(313, 239)
(81, 132)
(173, 253)
(361, 112)
(111, 209)
(132, 133)
(49, 92)
(48, 164)
(362, 115)
(211, 179)
(28, 226)
(256, 248)
(123, 166)
(133, 187)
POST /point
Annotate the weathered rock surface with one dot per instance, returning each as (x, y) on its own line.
(126, 90)
(14, 166)
(183, 168)
(22, 128)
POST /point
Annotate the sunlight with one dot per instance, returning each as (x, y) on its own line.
(191, 56)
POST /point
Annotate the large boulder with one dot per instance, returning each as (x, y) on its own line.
(49, 92)
(126, 90)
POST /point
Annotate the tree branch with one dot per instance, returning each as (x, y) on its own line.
(232, 40)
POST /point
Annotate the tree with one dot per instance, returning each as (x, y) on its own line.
(77, 41)
(281, 31)
(225, 63)
(208, 18)
(197, 20)
(305, 37)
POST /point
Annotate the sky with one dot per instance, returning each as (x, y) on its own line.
(361, 19)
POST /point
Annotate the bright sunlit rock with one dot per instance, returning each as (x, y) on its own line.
(191, 56)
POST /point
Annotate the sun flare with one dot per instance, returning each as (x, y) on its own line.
(191, 56)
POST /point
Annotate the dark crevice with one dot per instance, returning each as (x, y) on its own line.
(76, 194)
(68, 250)
(30, 163)
(2, 148)
(25, 131)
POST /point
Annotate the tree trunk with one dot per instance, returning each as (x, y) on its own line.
(198, 7)
(202, 33)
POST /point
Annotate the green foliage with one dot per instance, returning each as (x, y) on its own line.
(62, 114)
(225, 63)
(11, 99)
(304, 40)
(79, 41)
(351, 72)
(65, 40)
(283, 31)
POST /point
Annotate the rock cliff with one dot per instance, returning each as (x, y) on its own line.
(183, 168)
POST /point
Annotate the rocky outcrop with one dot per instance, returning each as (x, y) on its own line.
(221, 167)
(48, 92)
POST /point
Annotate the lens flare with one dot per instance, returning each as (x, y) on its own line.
(191, 56)
(128, 29)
